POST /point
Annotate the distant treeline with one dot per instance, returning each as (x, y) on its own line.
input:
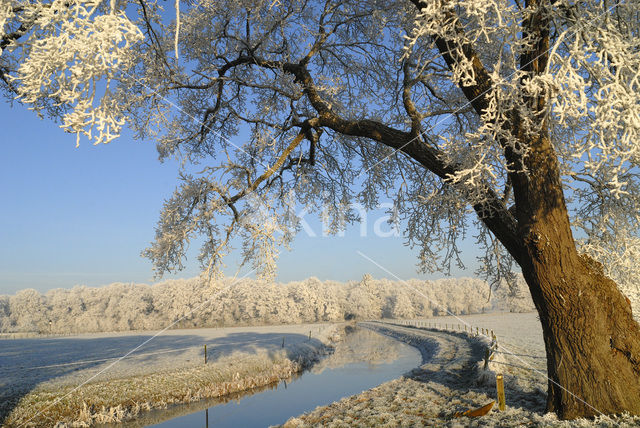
(194, 303)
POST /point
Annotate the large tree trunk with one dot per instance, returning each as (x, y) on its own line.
(592, 341)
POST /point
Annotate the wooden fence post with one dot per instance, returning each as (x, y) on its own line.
(500, 388)
(487, 354)
(205, 354)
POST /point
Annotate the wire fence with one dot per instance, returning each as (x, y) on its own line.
(212, 347)
(490, 351)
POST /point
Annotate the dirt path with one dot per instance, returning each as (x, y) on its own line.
(445, 355)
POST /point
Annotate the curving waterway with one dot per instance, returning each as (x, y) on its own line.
(362, 361)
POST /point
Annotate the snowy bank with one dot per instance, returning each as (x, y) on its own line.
(75, 387)
(450, 380)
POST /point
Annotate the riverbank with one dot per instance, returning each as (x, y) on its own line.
(76, 387)
(363, 360)
(452, 379)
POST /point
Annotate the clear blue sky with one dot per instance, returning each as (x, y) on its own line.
(82, 215)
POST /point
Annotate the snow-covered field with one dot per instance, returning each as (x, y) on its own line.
(36, 373)
(82, 378)
(452, 379)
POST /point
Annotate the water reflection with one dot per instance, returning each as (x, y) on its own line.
(361, 345)
(363, 360)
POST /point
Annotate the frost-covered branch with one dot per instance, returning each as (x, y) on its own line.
(71, 53)
(453, 110)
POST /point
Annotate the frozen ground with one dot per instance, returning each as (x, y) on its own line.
(36, 373)
(452, 379)
(82, 379)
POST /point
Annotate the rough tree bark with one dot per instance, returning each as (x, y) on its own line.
(592, 341)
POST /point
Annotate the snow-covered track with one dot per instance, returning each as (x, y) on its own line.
(444, 353)
(445, 383)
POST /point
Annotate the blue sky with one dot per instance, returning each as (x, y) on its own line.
(82, 215)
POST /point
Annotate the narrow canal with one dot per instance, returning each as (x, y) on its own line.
(363, 360)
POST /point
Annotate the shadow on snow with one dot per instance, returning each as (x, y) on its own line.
(27, 363)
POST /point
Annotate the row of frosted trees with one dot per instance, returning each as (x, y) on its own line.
(193, 303)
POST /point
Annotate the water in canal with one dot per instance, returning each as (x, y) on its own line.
(363, 360)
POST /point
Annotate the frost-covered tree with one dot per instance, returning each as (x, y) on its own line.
(120, 307)
(515, 298)
(521, 116)
(402, 306)
(27, 311)
(5, 311)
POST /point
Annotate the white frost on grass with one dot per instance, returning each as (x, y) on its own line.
(447, 382)
(520, 355)
(42, 386)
